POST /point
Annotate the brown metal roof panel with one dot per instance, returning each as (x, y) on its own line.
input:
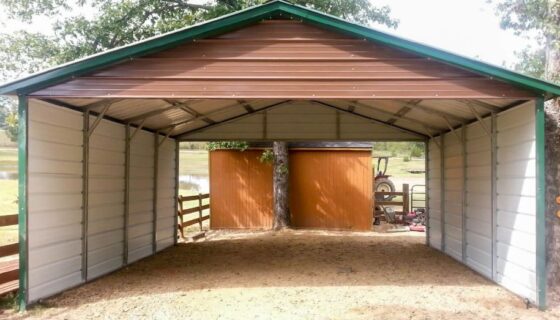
(270, 65)
(303, 89)
(130, 108)
(231, 112)
(267, 69)
(450, 107)
(164, 119)
(432, 119)
(80, 102)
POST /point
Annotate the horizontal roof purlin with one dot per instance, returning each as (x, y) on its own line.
(252, 15)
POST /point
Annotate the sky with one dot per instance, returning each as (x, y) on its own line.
(467, 27)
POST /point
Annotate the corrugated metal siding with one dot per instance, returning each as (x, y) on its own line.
(166, 214)
(331, 189)
(240, 190)
(478, 207)
(106, 198)
(453, 199)
(303, 121)
(54, 199)
(434, 192)
(515, 226)
(283, 59)
(516, 202)
(141, 196)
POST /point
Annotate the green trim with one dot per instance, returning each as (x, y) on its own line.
(22, 201)
(252, 15)
(541, 205)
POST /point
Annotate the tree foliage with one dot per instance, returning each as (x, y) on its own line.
(12, 126)
(231, 145)
(540, 19)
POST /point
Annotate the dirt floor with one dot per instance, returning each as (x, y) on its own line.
(292, 275)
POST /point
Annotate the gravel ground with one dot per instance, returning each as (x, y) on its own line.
(292, 275)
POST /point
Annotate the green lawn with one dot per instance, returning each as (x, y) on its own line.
(8, 159)
(399, 168)
(5, 140)
(193, 162)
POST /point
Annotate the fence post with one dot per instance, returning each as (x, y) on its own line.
(406, 202)
(200, 211)
(180, 214)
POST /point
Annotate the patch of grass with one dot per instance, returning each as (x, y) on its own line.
(5, 140)
(397, 167)
(8, 302)
(8, 197)
(8, 159)
(8, 205)
(193, 162)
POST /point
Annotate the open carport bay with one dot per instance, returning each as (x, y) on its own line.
(292, 274)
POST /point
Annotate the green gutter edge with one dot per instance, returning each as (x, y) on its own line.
(252, 15)
(22, 202)
(541, 273)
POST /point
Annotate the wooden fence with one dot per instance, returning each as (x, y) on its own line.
(9, 260)
(198, 207)
(404, 202)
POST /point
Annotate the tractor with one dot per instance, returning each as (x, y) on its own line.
(382, 183)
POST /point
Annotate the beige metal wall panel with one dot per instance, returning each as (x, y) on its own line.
(353, 128)
(302, 121)
(166, 193)
(434, 193)
(453, 188)
(516, 201)
(54, 199)
(141, 196)
(106, 197)
(283, 59)
(478, 206)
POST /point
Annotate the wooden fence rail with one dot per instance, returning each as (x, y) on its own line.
(404, 202)
(9, 262)
(199, 207)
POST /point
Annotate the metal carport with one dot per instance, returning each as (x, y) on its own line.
(99, 137)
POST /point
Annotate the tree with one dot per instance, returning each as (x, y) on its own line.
(541, 18)
(12, 126)
(280, 185)
(118, 23)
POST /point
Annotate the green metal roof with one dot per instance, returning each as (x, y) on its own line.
(273, 9)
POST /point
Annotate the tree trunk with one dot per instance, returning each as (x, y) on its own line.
(552, 164)
(280, 186)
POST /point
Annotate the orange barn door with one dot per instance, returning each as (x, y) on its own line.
(331, 189)
(240, 190)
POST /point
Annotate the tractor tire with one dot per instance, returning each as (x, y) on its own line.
(384, 185)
